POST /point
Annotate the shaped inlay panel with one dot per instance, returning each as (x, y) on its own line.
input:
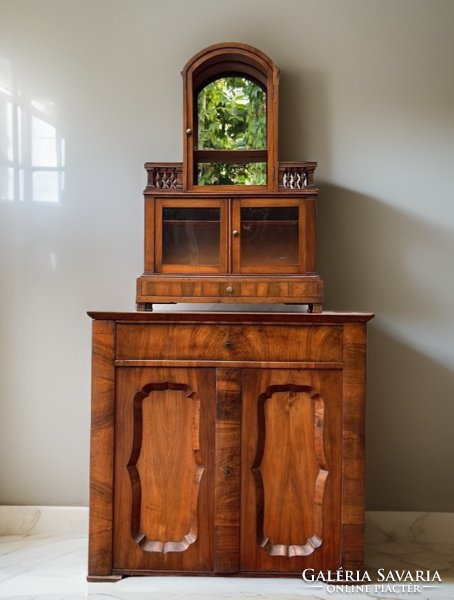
(290, 470)
(165, 467)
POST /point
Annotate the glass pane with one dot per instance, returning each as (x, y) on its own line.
(231, 174)
(269, 236)
(272, 213)
(190, 214)
(191, 236)
(232, 115)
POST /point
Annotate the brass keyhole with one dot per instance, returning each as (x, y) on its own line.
(228, 472)
(227, 344)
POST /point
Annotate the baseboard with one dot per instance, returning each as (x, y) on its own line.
(43, 520)
(409, 527)
(381, 526)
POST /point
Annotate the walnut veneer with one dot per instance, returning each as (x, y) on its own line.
(226, 443)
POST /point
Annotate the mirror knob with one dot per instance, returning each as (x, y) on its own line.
(188, 131)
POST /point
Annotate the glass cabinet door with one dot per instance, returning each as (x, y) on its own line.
(266, 236)
(191, 236)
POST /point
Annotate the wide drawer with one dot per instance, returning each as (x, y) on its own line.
(229, 342)
(227, 288)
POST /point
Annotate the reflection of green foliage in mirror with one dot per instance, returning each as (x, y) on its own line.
(232, 116)
(231, 174)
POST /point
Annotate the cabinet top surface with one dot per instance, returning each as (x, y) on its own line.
(323, 318)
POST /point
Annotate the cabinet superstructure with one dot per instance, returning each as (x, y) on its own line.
(227, 443)
(230, 223)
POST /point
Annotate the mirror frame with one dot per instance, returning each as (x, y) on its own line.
(227, 60)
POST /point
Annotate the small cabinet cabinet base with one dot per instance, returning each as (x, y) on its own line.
(259, 290)
(227, 443)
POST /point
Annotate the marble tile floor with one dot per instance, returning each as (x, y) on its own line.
(43, 556)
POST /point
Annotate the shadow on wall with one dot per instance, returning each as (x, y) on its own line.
(409, 440)
(374, 257)
(304, 118)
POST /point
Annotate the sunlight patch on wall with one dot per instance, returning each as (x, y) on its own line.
(32, 153)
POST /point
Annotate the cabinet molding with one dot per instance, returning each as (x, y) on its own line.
(290, 408)
(171, 413)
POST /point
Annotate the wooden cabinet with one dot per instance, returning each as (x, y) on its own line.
(230, 223)
(227, 443)
(250, 249)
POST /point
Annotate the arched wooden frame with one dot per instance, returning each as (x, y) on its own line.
(227, 60)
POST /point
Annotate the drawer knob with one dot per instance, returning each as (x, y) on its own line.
(229, 290)
(228, 472)
(235, 232)
(227, 344)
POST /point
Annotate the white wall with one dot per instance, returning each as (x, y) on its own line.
(367, 90)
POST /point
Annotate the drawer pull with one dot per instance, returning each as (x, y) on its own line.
(228, 472)
(229, 290)
(228, 344)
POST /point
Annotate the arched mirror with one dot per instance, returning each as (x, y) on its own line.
(230, 118)
(231, 115)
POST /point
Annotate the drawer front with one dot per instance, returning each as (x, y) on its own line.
(229, 288)
(229, 342)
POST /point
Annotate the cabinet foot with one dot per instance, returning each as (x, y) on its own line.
(314, 308)
(104, 578)
(145, 306)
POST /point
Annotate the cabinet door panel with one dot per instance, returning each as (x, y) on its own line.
(291, 468)
(191, 236)
(268, 236)
(163, 515)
